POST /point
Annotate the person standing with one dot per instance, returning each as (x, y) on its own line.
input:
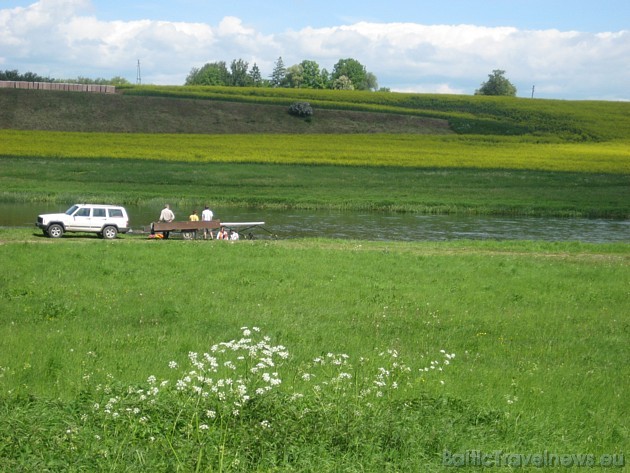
(168, 216)
(206, 216)
(193, 216)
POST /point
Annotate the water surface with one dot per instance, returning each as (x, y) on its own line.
(381, 226)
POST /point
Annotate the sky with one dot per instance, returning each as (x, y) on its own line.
(556, 49)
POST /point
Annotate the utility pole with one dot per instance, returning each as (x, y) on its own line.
(533, 87)
(138, 78)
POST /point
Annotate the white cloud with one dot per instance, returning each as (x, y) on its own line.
(62, 39)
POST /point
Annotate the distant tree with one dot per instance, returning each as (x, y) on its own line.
(371, 83)
(117, 80)
(239, 76)
(215, 73)
(342, 83)
(353, 70)
(312, 77)
(497, 84)
(325, 78)
(279, 73)
(10, 75)
(255, 77)
(27, 76)
(294, 77)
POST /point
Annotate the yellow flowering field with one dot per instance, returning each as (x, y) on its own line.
(346, 150)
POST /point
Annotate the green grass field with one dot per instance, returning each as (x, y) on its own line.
(538, 332)
(426, 190)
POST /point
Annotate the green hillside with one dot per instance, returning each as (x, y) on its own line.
(215, 110)
(130, 113)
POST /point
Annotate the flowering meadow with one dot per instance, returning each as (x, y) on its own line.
(242, 405)
(306, 355)
(377, 150)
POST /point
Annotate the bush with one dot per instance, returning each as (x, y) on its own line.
(301, 109)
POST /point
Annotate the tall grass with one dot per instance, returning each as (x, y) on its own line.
(89, 330)
(430, 191)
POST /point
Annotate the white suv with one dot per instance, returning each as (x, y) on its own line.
(104, 220)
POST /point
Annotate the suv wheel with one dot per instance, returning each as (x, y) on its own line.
(110, 232)
(55, 230)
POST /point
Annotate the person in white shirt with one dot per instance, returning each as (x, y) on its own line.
(206, 216)
(234, 235)
(167, 215)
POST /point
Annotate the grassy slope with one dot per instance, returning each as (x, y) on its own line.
(74, 111)
(251, 110)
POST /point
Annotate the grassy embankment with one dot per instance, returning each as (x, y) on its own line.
(539, 333)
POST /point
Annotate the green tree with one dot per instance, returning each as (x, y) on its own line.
(312, 77)
(325, 78)
(353, 70)
(497, 84)
(279, 73)
(371, 83)
(239, 76)
(294, 77)
(118, 80)
(215, 73)
(27, 76)
(255, 77)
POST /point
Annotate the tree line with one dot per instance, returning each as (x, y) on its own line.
(32, 77)
(347, 74)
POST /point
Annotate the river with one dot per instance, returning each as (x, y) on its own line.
(379, 226)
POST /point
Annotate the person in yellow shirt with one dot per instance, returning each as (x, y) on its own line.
(193, 216)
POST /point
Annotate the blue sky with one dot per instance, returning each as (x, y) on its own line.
(278, 15)
(567, 49)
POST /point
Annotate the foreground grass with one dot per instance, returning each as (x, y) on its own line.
(539, 333)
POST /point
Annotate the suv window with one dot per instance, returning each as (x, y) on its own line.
(98, 213)
(84, 212)
(115, 213)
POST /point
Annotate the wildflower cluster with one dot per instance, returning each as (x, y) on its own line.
(220, 381)
(216, 388)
